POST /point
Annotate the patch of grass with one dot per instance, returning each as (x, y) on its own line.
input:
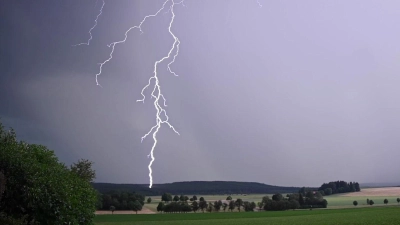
(364, 216)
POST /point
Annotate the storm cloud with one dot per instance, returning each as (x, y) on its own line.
(293, 93)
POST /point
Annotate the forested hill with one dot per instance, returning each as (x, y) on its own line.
(197, 187)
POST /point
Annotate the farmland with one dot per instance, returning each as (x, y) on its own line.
(373, 215)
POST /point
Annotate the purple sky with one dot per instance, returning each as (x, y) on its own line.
(294, 93)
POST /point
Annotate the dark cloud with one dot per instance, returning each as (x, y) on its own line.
(288, 94)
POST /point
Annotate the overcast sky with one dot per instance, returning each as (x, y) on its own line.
(292, 93)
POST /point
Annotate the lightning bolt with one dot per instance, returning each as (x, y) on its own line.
(95, 24)
(156, 93)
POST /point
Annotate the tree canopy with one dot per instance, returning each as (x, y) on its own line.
(39, 188)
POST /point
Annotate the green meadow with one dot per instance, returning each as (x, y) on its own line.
(363, 216)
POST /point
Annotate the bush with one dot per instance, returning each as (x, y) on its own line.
(39, 188)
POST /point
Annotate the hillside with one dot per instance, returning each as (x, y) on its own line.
(197, 187)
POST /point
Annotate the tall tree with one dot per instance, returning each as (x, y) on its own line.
(239, 203)
(385, 201)
(194, 198)
(160, 207)
(195, 206)
(148, 200)
(203, 205)
(355, 203)
(166, 197)
(83, 168)
(231, 205)
(135, 205)
(176, 198)
(224, 206)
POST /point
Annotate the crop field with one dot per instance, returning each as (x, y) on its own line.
(363, 216)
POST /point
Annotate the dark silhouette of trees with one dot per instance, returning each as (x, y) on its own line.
(398, 200)
(385, 201)
(371, 202)
(160, 207)
(335, 187)
(176, 198)
(166, 197)
(229, 198)
(203, 204)
(239, 203)
(355, 203)
(148, 200)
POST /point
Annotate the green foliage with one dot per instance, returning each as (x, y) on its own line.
(203, 204)
(229, 198)
(277, 197)
(135, 205)
(328, 191)
(232, 205)
(202, 199)
(355, 203)
(121, 199)
(385, 201)
(148, 200)
(239, 203)
(353, 216)
(176, 198)
(398, 200)
(160, 207)
(339, 187)
(224, 206)
(166, 197)
(194, 198)
(83, 168)
(39, 188)
(371, 202)
(210, 207)
(195, 206)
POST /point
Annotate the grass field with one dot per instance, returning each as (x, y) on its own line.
(373, 215)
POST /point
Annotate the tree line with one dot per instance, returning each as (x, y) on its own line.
(335, 187)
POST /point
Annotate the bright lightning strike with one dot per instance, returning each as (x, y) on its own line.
(95, 24)
(156, 93)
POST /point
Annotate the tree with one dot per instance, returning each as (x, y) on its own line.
(186, 198)
(149, 200)
(83, 168)
(385, 201)
(135, 205)
(210, 207)
(166, 197)
(195, 206)
(301, 199)
(40, 188)
(160, 207)
(232, 205)
(355, 203)
(191, 199)
(176, 198)
(277, 197)
(203, 204)
(260, 205)
(229, 198)
(398, 200)
(328, 191)
(217, 205)
(371, 202)
(224, 206)
(202, 199)
(194, 198)
(239, 203)
(181, 198)
(112, 209)
(367, 201)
